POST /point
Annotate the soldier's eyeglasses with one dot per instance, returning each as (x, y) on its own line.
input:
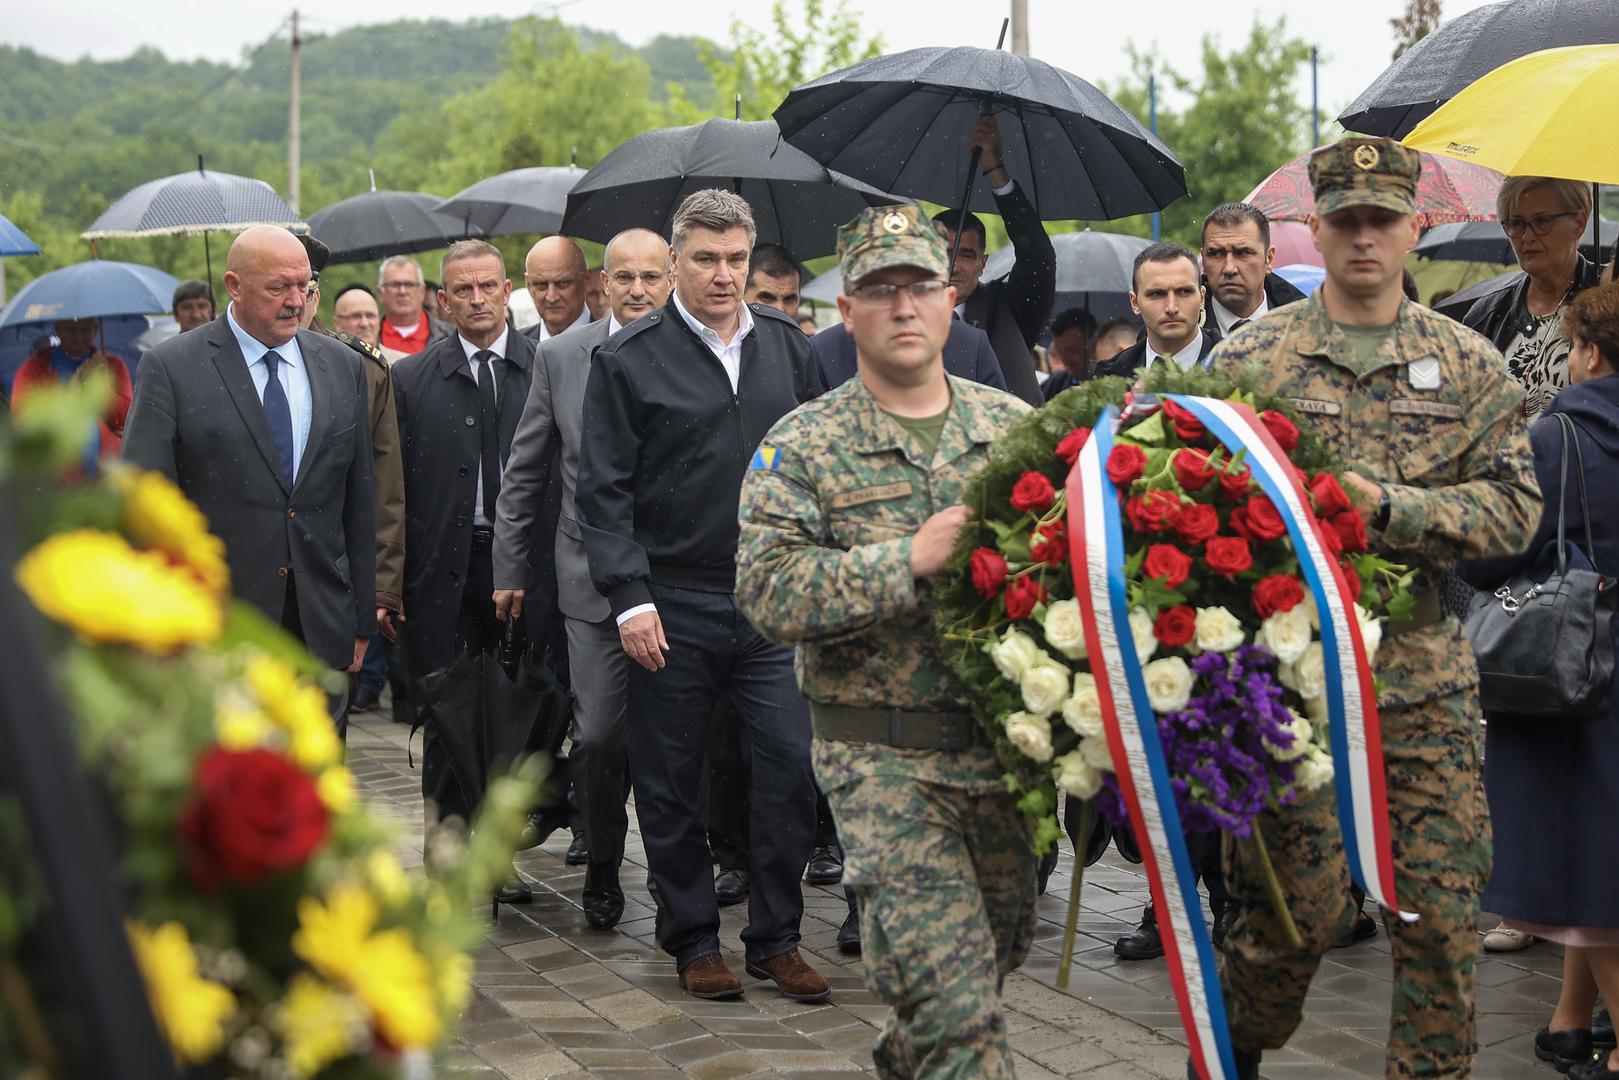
(884, 292)
(1541, 224)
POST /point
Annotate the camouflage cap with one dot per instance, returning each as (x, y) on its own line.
(884, 236)
(1360, 171)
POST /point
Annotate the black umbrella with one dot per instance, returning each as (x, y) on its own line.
(901, 123)
(1093, 270)
(521, 201)
(1456, 304)
(1436, 68)
(796, 202)
(382, 223)
(1485, 241)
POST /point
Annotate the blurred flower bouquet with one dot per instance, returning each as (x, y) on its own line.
(277, 934)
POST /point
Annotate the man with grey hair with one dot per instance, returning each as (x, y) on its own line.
(675, 406)
(406, 329)
(554, 274)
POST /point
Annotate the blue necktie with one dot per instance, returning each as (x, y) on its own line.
(279, 414)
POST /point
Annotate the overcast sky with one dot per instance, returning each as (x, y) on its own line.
(1083, 36)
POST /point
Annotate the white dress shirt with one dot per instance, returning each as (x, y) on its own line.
(499, 349)
(1186, 359)
(583, 319)
(1004, 189)
(1226, 318)
(291, 374)
(728, 353)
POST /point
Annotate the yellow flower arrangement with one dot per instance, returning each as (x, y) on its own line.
(320, 1024)
(158, 515)
(193, 1012)
(107, 592)
(335, 785)
(238, 726)
(299, 709)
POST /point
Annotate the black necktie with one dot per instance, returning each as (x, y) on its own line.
(488, 432)
(279, 415)
(1238, 325)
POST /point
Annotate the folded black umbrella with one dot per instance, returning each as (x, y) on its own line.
(1438, 67)
(382, 223)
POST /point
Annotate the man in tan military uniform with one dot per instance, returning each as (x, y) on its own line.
(1423, 414)
(852, 505)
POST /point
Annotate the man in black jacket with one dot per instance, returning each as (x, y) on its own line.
(1166, 293)
(675, 406)
(1012, 310)
(1237, 277)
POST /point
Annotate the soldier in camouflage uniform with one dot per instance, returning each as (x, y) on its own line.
(1422, 412)
(852, 504)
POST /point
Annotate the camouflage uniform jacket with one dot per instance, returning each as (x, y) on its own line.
(837, 490)
(1435, 420)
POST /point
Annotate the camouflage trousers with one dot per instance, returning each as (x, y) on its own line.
(1441, 840)
(945, 883)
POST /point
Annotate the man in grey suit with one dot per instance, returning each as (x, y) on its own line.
(636, 274)
(265, 427)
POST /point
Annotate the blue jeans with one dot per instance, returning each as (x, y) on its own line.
(374, 669)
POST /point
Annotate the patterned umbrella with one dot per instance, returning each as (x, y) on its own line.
(1448, 190)
(190, 203)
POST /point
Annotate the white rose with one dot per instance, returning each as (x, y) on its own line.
(1316, 710)
(1141, 631)
(1083, 710)
(1095, 752)
(1065, 630)
(1286, 633)
(1313, 771)
(1311, 672)
(1077, 776)
(1169, 684)
(1310, 610)
(1218, 630)
(1030, 734)
(1045, 686)
(1371, 632)
(1300, 729)
(1014, 653)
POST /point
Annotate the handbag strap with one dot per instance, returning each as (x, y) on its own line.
(1571, 434)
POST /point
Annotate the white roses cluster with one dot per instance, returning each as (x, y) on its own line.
(1047, 687)
(1313, 760)
(1302, 659)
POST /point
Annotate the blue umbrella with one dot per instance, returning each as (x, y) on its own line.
(91, 290)
(13, 241)
(120, 334)
(1302, 276)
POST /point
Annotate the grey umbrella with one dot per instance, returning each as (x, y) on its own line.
(381, 223)
(1485, 241)
(1093, 270)
(521, 201)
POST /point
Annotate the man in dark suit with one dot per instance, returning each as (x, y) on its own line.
(1012, 310)
(554, 274)
(1072, 333)
(636, 269)
(265, 427)
(675, 406)
(967, 355)
(1166, 293)
(1237, 277)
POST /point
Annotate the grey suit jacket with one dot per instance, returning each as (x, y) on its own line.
(197, 419)
(549, 433)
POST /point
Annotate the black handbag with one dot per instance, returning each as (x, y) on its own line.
(1545, 647)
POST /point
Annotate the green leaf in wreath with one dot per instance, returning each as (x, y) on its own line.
(1150, 432)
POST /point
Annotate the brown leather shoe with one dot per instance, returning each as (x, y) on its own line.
(793, 976)
(708, 977)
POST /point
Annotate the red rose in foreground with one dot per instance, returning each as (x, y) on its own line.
(1264, 520)
(1328, 494)
(1192, 469)
(1279, 592)
(1351, 529)
(1072, 443)
(1234, 482)
(1166, 562)
(1196, 522)
(254, 814)
(1228, 555)
(1153, 511)
(1351, 579)
(1175, 626)
(988, 570)
(1033, 492)
(1022, 595)
(1281, 429)
(1125, 463)
(1330, 540)
(1049, 543)
(1187, 427)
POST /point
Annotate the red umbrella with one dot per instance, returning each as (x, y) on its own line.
(1449, 190)
(1293, 244)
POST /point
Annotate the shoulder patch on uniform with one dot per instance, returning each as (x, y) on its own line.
(766, 457)
(843, 500)
(1443, 410)
(1424, 373)
(1316, 406)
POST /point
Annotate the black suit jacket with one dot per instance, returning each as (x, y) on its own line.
(1279, 292)
(967, 355)
(1126, 361)
(1013, 310)
(440, 448)
(197, 419)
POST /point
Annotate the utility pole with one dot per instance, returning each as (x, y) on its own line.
(1020, 27)
(294, 150)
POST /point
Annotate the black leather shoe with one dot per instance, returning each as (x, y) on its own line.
(578, 851)
(730, 886)
(1223, 923)
(541, 824)
(515, 891)
(1048, 864)
(849, 934)
(825, 866)
(1602, 1030)
(603, 899)
(1247, 1062)
(1595, 1069)
(1563, 1048)
(364, 701)
(1363, 929)
(1142, 943)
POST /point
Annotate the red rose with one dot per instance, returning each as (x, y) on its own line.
(1125, 463)
(1351, 530)
(1234, 482)
(1330, 540)
(988, 570)
(1228, 555)
(1192, 469)
(1328, 494)
(1351, 579)
(1153, 511)
(254, 814)
(1167, 562)
(1033, 492)
(1279, 592)
(1022, 595)
(1049, 543)
(1072, 443)
(1196, 522)
(1281, 429)
(1264, 520)
(1175, 626)
(1187, 427)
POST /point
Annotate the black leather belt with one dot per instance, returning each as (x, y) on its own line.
(896, 727)
(483, 536)
(1426, 611)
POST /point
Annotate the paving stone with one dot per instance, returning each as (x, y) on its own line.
(633, 1009)
(539, 1067)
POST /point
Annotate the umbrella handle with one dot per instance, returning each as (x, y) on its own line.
(972, 174)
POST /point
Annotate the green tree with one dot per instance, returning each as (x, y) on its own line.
(1420, 19)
